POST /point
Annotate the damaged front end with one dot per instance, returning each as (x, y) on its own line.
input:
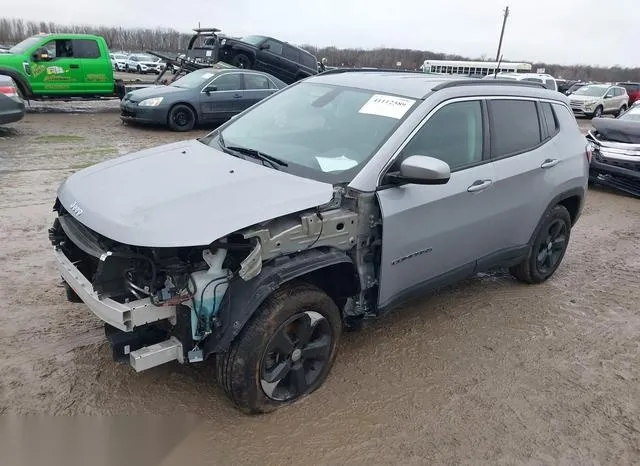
(185, 303)
(615, 145)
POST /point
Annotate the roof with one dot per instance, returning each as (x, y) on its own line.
(416, 85)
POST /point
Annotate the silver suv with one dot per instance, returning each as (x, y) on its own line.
(595, 100)
(320, 208)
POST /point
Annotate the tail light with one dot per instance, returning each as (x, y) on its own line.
(10, 91)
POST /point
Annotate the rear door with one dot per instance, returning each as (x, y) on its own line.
(256, 87)
(291, 61)
(224, 98)
(436, 233)
(271, 61)
(527, 163)
(95, 71)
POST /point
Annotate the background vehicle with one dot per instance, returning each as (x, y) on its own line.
(616, 152)
(633, 90)
(207, 95)
(253, 252)
(280, 59)
(11, 104)
(118, 61)
(595, 100)
(546, 80)
(469, 68)
(142, 63)
(575, 86)
(61, 65)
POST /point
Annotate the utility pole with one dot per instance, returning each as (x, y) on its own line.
(504, 23)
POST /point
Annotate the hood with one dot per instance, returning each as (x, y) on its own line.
(183, 194)
(617, 130)
(153, 91)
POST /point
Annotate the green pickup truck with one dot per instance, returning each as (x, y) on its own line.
(54, 66)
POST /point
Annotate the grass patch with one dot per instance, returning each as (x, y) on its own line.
(60, 138)
(98, 151)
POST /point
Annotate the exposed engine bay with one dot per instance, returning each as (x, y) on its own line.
(194, 280)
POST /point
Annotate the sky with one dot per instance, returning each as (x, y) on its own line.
(584, 32)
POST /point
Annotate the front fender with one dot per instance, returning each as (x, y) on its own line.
(243, 298)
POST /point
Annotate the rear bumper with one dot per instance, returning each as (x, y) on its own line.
(11, 110)
(125, 317)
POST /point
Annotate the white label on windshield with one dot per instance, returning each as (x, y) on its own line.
(209, 52)
(332, 164)
(387, 106)
(206, 76)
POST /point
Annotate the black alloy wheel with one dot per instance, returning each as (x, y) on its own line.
(552, 248)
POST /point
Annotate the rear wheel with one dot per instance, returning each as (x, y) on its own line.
(548, 249)
(181, 118)
(621, 111)
(285, 352)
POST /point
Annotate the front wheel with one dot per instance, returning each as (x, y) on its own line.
(548, 249)
(285, 352)
(597, 113)
(181, 118)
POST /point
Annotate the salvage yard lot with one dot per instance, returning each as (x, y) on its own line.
(489, 371)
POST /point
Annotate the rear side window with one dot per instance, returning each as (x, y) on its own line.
(85, 48)
(256, 81)
(290, 53)
(549, 84)
(549, 119)
(515, 127)
(308, 60)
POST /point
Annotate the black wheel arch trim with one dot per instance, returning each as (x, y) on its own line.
(243, 298)
(19, 79)
(573, 192)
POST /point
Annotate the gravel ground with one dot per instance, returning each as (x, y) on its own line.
(486, 372)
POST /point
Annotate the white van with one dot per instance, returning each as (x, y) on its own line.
(546, 79)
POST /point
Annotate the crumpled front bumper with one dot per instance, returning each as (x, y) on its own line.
(125, 317)
(616, 165)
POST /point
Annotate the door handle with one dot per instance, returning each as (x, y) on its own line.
(74, 66)
(479, 185)
(237, 96)
(550, 163)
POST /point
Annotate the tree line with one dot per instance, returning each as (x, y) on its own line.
(14, 30)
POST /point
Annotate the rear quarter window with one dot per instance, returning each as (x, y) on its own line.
(515, 127)
(550, 121)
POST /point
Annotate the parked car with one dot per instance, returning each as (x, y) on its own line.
(327, 204)
(595, 100)
(280, 59)
(546, 80)
(119, 61)
(143, 64)
(206, 95)
(616, 151)
(633, 90)
(11, 103)
(575, 86)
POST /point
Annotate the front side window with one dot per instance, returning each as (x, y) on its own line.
(228, 82)
(515, 127)
(274, 46)
(453, 134)
(323, 132)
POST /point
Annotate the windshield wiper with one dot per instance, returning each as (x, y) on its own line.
(273, 161)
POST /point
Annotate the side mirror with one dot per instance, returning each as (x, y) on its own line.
(265, 46)
(421, 169)
(41, 55)
(210, 89)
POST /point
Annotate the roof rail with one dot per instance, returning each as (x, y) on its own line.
(362, 70)
(486, 82)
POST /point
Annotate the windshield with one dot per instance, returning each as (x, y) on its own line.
(322, 132)
(591, 91)
(194, 79)
(253, 40)
(25, 45)
(633, 114)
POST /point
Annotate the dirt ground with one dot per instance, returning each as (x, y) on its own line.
(487, 372)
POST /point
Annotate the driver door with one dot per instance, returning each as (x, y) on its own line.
(60, 73)
(434, 234)
(224, 98)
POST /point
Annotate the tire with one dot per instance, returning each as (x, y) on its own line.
(72, 296)
(546, 245)
(597, 113)
(257, 375)
(181, 118)
(621, 111)
(241, 61)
